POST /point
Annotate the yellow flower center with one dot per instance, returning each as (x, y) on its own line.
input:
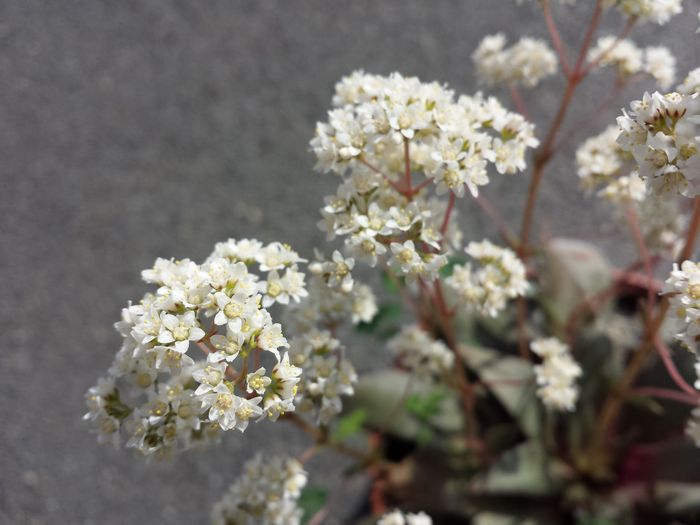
(233, 310)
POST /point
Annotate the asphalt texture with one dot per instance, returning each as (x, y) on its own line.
(133, 129)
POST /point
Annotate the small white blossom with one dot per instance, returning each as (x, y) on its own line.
(684, 284)
(661, 133)
(557, 374)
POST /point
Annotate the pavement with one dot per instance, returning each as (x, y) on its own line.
(136, 129)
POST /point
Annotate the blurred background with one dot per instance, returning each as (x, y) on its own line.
(133, 129)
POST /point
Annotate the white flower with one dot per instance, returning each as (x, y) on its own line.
(405, 258)
(209, 376)
(661, 133)
(222, 405)
(232, 310)
(684, 284)
(279, 396)
(228, 346)
(336, 272)
(244, 250)
(257, 381)
(557, 374)
(247, 409)
(271, 338)
(179, 330)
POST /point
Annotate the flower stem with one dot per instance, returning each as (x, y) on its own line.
(554, 35)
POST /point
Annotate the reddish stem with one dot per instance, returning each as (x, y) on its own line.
(519, 102)
(664, 393)
(448, 213)
(408, 190)
(665, 354)
(554, 35)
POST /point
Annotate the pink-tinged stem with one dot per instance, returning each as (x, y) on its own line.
(664, 393)
(492, 213)
(554, 35)
(633, 221)
(665, 354)
(519, 102)
(448, 213)
(408, 190)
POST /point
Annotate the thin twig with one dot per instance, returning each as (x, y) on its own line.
(554, 35)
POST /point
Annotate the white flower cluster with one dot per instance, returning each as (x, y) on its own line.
(525, 63)
(327, 375)
(599, 159)
(557, 374)
(164, 400)
(420, 353)
(372, 215)
(396, 517)
(656, 11)
(661, 133)
(603, 165)
(451, 141)
(333, 297)
(387, 130)
(500, 276)
(656, 61)
(266, 493)
(684, 284)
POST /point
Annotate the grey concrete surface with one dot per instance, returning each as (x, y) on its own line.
(136, 129)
